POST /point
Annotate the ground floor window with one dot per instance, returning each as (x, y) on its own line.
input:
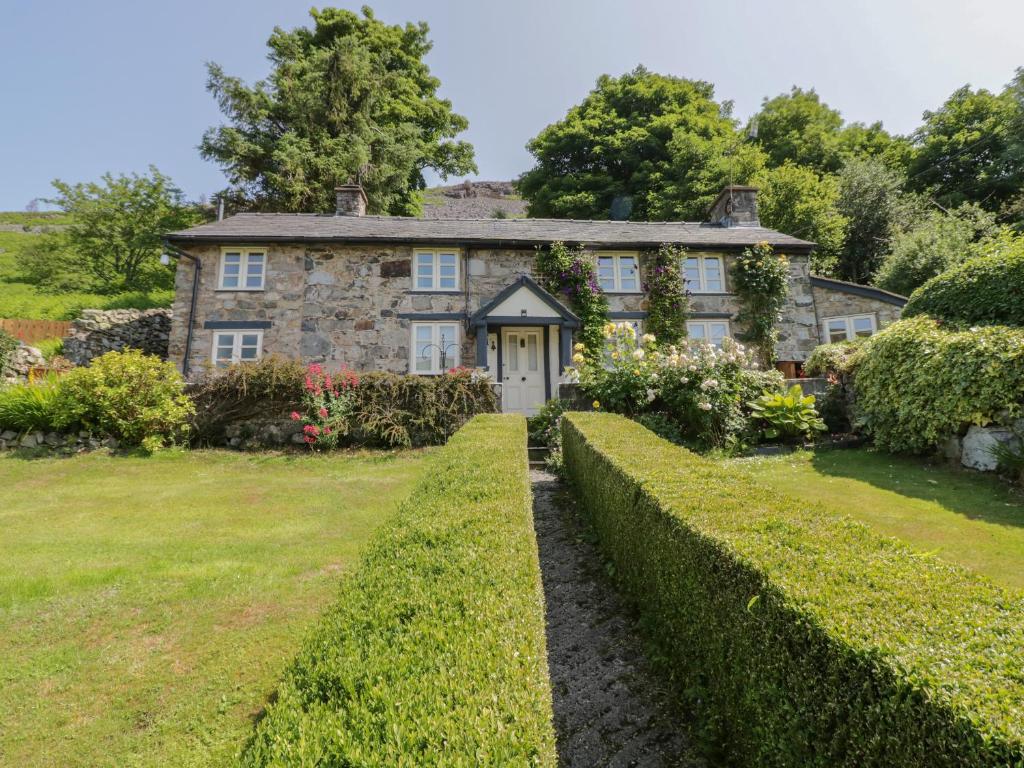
(849, 327)
(435, 348)
(708, 331)
(236, 347)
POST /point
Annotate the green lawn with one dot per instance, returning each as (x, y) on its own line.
(149, 605)
(963, 517)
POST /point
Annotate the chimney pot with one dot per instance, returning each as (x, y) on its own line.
(350, 200)
(735, 206)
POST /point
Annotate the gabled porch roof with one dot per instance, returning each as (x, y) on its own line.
(524, 302)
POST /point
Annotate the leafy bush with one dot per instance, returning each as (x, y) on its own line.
(988, 289)
(133, 397)
(434, 652)
(760, 277)
(668, 301)
(271, 386)
(7, 346)
(544, 428)
(786, 416)
(832, 360)
(918, 383)
(571, 274)
(801, 638)
(703, 389)
(29, 407)
(50, 348)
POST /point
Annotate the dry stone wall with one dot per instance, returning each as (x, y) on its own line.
(97, 332)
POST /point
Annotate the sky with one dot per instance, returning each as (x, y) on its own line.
(90, 87)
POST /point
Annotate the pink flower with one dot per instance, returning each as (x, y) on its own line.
(309, 440)
(315, 369)
(311, 429)
(327, 430)
(296, 415)
(327, 381)
(323, 413)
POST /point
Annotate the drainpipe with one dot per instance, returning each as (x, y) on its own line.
(173, 252)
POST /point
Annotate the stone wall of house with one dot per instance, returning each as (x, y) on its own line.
(829, 302)
(99, 331)
(351, 305)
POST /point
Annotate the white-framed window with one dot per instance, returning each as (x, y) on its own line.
(849, 327)
(236, 347)
(704, 274)
(618, 272)
(242, 269)
(435, 348)
(436, 270)
(708, 331)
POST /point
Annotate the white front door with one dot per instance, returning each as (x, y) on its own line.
(522, 378)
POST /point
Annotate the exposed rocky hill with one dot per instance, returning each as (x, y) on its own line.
(473, 200)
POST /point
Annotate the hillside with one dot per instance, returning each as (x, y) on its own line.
(474, 200)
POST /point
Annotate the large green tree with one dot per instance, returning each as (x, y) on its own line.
(872, 201)
(662, 143)
(799, 128)
(113, 241)
(798, 201)
(965, 150)
(348, 99)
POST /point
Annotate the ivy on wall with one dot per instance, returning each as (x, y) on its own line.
(760, 277)
(570, 273)
(668, 302)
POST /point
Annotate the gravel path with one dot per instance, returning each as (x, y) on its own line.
(609, 707)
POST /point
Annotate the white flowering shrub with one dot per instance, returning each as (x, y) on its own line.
(702, 389)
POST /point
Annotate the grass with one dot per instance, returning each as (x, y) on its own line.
(34, 219)
(965, 518)
(148, 606)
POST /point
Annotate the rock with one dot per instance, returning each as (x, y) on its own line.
(53, 439)
(8, 434)
(952, 448)
(978, 445)
(29, 440)
(97, 332)
(112, 443)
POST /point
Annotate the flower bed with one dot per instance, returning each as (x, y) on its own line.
(434, 653)
(800, 638)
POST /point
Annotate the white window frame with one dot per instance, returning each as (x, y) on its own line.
(455, 359)
(243, 269)
(848, 320)
(702, 280)
(706, 324)
(435, 276)
(236, 345)
(617, 259)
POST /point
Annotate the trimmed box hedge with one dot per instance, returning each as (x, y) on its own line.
(434, 653)
(802, 638)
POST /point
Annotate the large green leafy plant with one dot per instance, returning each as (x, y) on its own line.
(786, 416)
(570, 274)
(760, 277)
(668, 302)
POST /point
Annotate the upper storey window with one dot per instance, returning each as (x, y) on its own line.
(242, 269)
(704, 274)
(436, 270)
(618, 272)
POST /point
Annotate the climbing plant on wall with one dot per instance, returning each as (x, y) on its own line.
(668, 303)
(760, 277)
(570, 274)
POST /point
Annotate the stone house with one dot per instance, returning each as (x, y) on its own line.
(421, 296)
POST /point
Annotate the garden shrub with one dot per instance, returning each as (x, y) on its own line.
(7, 346)
(29, 407)
(135, 398)
(836, 362)
(668, 301)
(434, 652)
(760, 278)
(269, 387)
(328, 401)
(987, 289)
(703, 389)
(786, 416)
(798, 637)
(919, 383)
(571, 274)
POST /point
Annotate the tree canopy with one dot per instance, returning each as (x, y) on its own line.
(348, 99)
(114, 237)
(661, 142)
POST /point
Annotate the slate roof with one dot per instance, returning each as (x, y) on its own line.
(506, 233)
(868, 291)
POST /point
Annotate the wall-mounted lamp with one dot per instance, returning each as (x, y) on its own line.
(165, 258)
(522, 313)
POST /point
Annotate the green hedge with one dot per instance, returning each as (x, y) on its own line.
(434, 653)
(984, 290)
(918, 383)
(802, 638)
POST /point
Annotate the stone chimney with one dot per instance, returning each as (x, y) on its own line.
(735, 206)
(350, 200)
